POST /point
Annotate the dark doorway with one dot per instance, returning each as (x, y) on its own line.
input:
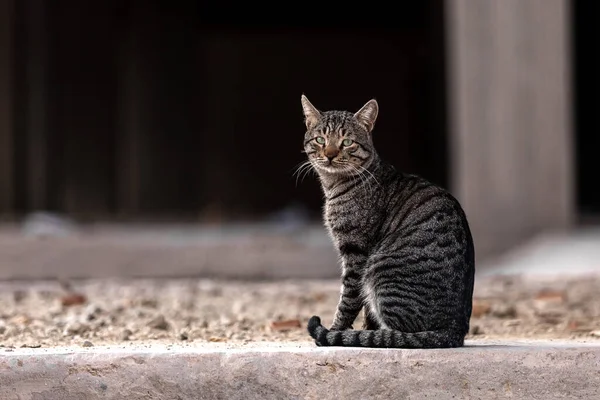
(151, 112)
(587, 123)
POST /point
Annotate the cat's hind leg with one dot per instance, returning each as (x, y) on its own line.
(370, 323)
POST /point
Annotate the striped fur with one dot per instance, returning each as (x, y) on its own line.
(405, 245)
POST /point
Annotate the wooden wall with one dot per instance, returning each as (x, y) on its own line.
(140, 109)
(6, 105)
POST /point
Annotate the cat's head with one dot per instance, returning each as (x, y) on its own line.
(339, 141)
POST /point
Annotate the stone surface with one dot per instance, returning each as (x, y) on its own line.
(551, 255)
(482, 370)
(238, 251)
(123, 311)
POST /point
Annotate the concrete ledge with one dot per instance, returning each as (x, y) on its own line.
(245, 251)
(241, 251)
(482, 370)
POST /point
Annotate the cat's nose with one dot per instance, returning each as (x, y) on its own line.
(331, 152)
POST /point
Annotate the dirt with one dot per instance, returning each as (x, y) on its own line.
(108, 312)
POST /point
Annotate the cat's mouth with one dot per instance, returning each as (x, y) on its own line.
(334, 166)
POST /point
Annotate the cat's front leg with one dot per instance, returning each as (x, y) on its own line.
(351, 300)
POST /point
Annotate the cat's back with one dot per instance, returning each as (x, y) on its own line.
(418, 206)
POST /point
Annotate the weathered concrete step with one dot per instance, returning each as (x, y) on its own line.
(482, 370)
(242, 251)
(238, 251)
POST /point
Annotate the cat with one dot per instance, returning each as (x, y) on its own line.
(405, 245)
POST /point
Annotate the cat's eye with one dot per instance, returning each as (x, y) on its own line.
(320, 139)
(347, 142)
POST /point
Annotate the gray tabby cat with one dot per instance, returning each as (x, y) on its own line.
(405, 244)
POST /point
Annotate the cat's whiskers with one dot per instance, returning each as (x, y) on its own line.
(302, 169)
(356, 170)
(368, 172)
(367, 188)
(349, 170)
(308, 170)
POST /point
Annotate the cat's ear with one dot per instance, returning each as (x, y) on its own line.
(311, 114)
(367, 115)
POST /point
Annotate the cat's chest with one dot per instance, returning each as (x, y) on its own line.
(350, 218)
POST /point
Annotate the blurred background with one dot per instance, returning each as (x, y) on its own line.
(141, 138)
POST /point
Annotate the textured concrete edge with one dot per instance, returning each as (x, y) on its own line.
(249, 251)
(484, 371)
(247, 254)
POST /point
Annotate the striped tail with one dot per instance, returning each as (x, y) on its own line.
(383, 338)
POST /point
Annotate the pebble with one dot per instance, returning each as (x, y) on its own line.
(504, 311)
(92, 311)
(549, 300)
(19, 295)
(75, 328)
(149, 303)
(73, 299)
(476, 330)
(480, 308)
(87, 343)
(125, 334)
(159, 322)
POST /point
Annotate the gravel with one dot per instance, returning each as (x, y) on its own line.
(135, 311)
